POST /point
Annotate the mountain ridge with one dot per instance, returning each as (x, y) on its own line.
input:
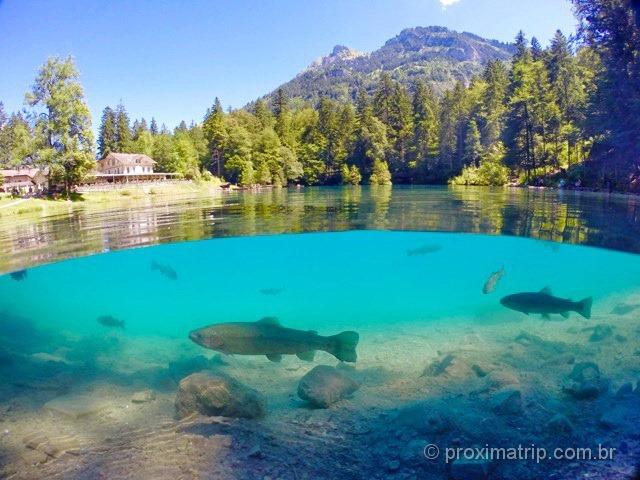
(437, 54)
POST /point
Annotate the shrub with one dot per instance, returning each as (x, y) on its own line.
(380, 174)
(491, 171)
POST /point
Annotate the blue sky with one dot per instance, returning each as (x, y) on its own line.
(170, 58)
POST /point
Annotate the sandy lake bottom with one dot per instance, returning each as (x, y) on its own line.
(439, 362)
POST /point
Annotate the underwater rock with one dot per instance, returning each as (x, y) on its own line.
(427, 418)
(77, 406)
(480, 370)
(506, 402)
(624, 390)
(615, 418)
(52, 447)
(413, 454)
(600, 332)
(499, 379)
(533, 341)
(585, 381)
(559, 423)
(48, 357)
(143, 396)
(325, 385)
(217, 395)
(18, 275)
(438, 366)
(469, 469)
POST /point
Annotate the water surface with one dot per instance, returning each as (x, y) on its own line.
(611, 221)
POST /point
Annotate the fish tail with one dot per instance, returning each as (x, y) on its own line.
(584, 307)
(343, 346)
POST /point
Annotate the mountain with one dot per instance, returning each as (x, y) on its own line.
(435, 54)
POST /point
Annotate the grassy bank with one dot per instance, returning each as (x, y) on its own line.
(34, 207)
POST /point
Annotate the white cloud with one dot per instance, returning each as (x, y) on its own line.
(446, 3)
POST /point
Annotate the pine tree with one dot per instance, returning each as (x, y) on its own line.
(153, 128)
(425, 129)
(536, 49)
(283, 118)
(215, 132)
(263, 114)
(107, 135)
(3, 116)
(472, 145)
(123, 130)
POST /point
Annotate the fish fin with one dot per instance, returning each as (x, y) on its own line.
(565, 314)
(306, 356)
(343, 346)
(546, 316)
(154, 265)
(546, 291)
(274, 357)
(269, 321)
(584, 307)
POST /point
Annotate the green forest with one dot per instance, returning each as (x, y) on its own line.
(564, 115)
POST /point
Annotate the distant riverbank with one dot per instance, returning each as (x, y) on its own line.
(104, 199)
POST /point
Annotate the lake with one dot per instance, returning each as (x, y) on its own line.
(97, 358)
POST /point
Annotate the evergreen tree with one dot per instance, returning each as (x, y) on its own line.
(123, 130)
(263, 114)
(536, 49)
(612, 29)
(107, 134)
(3, 116)
(472, 145)
(425, 130)
(215, 132)
(153, 128)
(16, 142)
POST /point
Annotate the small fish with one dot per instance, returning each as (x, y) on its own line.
(111, 321)
(271, 291)
(424, 250)
(268, 337)
(165, 270)
(624, 308)
(19, 275)
(544, 303)
(492, 281)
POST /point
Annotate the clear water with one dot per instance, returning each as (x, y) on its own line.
(414, 297)
(332, 281)
(610, 221)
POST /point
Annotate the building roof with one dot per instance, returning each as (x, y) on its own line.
(130, 159)
(20, 172)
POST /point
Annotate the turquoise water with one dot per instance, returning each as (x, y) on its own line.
(333, 281)
(414, 297)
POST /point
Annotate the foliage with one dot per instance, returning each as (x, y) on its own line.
(490, 172)
(380, 174)
(63, 140)
(571, 109)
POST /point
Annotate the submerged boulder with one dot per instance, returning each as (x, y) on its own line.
(325, 385)
(464, 469)
(585, 381)
(143, 396)
(217, 395)
(560, 424)
(506, 402)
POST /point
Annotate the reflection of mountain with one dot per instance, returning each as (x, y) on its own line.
(563, 217)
